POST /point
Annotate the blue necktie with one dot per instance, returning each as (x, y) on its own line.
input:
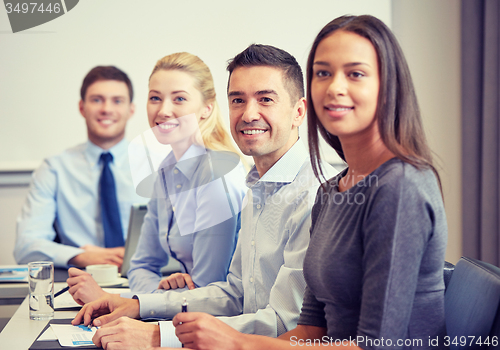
(111, 223)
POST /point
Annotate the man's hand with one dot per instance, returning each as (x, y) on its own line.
(198, 330)
(106, 309)
(177, 280)
(83, 287)
(125, 333)
(96, 255)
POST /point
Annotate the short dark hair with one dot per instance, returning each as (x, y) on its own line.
(397, 113)
(106, 73)
(267, 55)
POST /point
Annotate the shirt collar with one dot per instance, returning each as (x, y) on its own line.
(189, 161)
(285, 170)
(93, 152)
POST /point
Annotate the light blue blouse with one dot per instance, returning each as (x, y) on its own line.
(193, 217)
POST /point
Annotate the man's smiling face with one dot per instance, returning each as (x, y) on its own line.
(263, 118)
(106, 110)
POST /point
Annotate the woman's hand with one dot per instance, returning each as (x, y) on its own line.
(177, 280)
(83, 287)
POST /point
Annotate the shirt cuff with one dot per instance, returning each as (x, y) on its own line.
(65, 254)
(167, 335)
(148, 305)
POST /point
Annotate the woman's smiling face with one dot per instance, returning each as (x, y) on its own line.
(175, 107)
(345, 84)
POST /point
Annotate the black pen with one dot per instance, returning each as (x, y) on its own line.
(65, 289)
(184, 309)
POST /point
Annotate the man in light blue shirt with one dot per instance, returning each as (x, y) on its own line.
(265, 285)
(64, 193)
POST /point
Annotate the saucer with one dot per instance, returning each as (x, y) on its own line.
(118, 282)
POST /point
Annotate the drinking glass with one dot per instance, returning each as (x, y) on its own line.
(41, 281)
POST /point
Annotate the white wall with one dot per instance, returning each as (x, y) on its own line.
(429, 33)
(11, 201)
(41, 69)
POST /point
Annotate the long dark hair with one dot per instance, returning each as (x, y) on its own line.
(397, 113)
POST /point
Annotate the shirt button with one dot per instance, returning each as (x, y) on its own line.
(178, 186)
(253, 243)
(176, 171)
(251, 279)
(259, 206)
(151, 313)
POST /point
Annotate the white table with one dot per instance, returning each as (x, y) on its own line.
(21, 332)
(13, 290)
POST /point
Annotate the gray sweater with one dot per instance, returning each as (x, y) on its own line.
(374, 266)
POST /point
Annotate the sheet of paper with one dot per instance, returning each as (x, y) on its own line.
(64, 301)
(14, 273)
(47, 335)
(69, 335)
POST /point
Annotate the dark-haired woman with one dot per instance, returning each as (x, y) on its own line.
(374, 267)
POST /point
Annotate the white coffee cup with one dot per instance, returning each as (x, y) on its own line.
(103, 273)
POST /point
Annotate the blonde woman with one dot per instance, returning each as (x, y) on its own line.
(194, 213)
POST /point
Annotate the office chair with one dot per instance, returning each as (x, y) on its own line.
(472, 302)
(447, 272)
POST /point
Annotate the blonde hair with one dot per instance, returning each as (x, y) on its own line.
(213, 134)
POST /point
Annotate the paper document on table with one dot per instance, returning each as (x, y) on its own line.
(69, 335)
(14, 273)
(47, 335)
(65, 301)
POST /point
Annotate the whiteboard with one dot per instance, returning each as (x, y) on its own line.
(41, 69)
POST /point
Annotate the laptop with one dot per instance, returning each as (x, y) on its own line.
(137, 213)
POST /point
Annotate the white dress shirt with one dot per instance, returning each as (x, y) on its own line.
(265, 285)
